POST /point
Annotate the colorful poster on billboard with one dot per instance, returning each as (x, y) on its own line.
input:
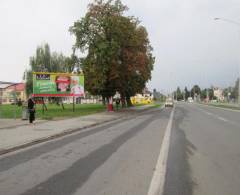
(57, 85)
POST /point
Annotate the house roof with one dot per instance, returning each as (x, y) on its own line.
(19, 86)
(3, 82)
(4, 85)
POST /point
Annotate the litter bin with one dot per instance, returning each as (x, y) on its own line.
(25, 113)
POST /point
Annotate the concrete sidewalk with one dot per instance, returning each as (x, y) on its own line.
(21, 134)
(13, 123)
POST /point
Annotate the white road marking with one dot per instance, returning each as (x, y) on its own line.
(218, 117)
(227, 109)
(208, 113)
(158, 180)
(222, 119)
(214, 115)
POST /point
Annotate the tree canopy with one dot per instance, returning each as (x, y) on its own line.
(118, 51)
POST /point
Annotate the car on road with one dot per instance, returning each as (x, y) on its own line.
(190, 100)
(169, 102)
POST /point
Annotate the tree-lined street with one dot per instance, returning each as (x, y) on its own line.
(117, 97)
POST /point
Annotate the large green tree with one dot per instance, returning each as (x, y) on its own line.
(178, 95)
(235, 90)
(207, 92)
(186, 93)
(118, 53)
(196, 91)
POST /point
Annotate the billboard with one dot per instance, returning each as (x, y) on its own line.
(57, 85)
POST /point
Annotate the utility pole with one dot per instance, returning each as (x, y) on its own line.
(239, 90)
(238, 85)
(1, 103)
(194, 93)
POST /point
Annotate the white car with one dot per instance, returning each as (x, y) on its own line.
(169, 102)
(190, 100)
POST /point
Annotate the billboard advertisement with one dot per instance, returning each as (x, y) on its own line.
(57, 85)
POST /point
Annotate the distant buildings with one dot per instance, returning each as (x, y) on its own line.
(218, 93)
(11, 92)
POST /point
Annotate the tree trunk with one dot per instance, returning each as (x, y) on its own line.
(123, 101)
(128, 99)
(103, 100)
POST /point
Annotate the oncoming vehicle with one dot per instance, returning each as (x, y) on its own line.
(190, 100)
(169, 102)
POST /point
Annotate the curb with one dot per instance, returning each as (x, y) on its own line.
(66, 132)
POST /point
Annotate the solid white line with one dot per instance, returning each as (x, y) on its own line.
(222, 119)
(218, 117)
(208, 113)
(158, 180)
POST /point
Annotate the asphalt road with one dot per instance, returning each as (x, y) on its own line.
(116, 158)
(120, 158)
(204, 155)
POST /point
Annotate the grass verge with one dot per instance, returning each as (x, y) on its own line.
(54, 111)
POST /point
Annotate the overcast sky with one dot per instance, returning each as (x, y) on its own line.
(189, 46)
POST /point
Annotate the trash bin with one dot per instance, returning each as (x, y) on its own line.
(110, 107)
(25, 113)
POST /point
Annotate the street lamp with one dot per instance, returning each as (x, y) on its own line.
(237, 24)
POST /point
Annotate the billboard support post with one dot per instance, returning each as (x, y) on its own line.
(73, 104)
(62, 104)
(43, 105)
(46, 84)
(15, 102)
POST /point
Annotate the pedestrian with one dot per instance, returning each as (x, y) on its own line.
(31, 110)
(117, 103)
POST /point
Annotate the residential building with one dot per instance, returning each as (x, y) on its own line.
(218, 93)
(9, 92)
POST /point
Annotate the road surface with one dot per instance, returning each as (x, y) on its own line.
(117, 158)
(204, 155)
(120, 158)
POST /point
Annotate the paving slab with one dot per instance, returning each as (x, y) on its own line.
(22, 134)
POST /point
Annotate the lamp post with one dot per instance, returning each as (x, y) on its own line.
(237, 24)
(1, 102)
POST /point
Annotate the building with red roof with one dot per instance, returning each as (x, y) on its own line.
(10, 93)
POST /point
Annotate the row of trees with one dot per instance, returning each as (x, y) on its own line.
(118, 52)
(46, 61)
(231, 93)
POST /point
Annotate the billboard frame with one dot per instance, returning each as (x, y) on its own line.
(56, 95)
(42, 95)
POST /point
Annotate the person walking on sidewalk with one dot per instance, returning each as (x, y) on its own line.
(31, 109)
